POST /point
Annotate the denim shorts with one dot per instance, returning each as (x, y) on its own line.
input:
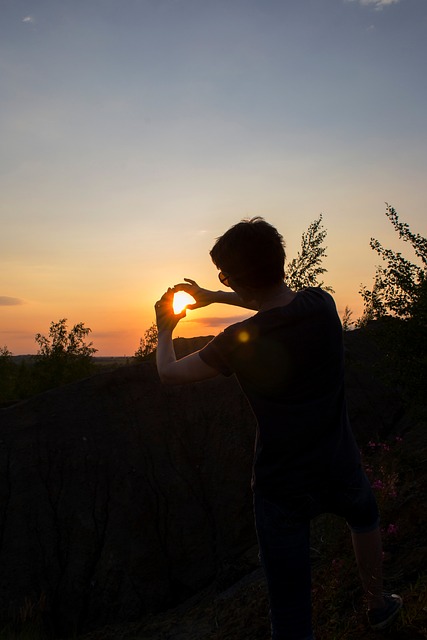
(283, 529)
(353, 499)
(349, 497)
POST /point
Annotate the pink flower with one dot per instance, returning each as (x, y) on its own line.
(392, 529)
(378, 484)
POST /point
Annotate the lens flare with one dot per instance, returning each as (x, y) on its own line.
(180, 300)
(243, 336)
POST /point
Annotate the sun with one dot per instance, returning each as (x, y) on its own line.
(180, 300)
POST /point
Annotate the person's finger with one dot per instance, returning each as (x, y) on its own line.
(165, 302)
(167, 296)
(187, 288)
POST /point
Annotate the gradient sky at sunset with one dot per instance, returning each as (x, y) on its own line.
(134, 132)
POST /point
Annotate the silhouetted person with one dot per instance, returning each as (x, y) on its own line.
(288, 358)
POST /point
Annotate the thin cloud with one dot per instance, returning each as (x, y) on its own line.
(95, 335)
(7, 301)
(28, 19)
(218, 322)
(380, 4)
(376, 4)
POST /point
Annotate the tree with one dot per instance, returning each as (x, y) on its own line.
(304, 270)
(398, 298)
(347, 322)
(147, 344)
(63, 356)
(7, 375)
(5, 354)
(400, 286)
(62, 343)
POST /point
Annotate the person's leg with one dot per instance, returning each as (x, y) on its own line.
(361, 512)
(285, 556)
(352, 497)
(382, 608)
(368, 552)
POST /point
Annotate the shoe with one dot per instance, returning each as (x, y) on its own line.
(381, 618)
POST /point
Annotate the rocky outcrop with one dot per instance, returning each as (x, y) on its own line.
(120, 496)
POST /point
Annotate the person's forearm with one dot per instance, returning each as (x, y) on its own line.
(190, 368)
(232, 298)
(165, 353)
(205, 297)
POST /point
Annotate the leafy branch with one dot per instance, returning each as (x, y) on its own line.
(305, 270)
(399, 287)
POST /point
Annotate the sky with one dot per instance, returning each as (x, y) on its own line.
(135, 132)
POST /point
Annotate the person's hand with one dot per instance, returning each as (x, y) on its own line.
(166, 319)
(203, 297)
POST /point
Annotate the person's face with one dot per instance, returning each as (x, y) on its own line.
(245, 293)
(224, 278)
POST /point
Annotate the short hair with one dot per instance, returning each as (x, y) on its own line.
(252, 252)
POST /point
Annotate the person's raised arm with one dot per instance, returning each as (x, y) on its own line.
(172, 371)
(204, 297)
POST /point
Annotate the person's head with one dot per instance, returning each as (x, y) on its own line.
(251, 253)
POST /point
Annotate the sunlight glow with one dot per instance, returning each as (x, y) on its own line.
(243, 336)
(180, 300)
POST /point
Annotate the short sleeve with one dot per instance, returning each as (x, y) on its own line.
(215, 354)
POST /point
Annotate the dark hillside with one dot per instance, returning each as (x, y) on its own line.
(122, 498)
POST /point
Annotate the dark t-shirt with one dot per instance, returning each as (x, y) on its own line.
(290, 364)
